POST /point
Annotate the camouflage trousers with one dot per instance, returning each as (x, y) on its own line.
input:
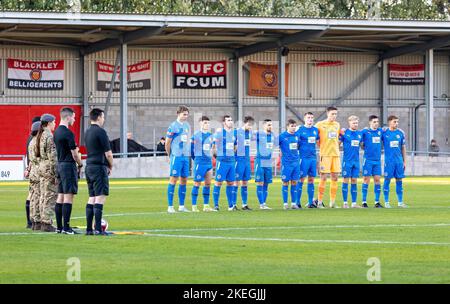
(35, 196)
(47, 200)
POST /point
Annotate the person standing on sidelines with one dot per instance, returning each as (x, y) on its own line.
(265, 140)
(371, 143)
(99, 164)
(308, 136)
(179, 149)
(46, 152)
(33, 174)
(394, 144)
(244, 136)
(201, 143)
(330, 163)
(69, 164)
(224, 147)
(290, 163)
(351, 140)
(27, 171)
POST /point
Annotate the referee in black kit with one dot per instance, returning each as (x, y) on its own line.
(99, 164)
(69, 165)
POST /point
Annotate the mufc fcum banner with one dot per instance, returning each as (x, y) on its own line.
(263, 80)
(400, 74)
(35, 75)
(138, 76)
(199, 74)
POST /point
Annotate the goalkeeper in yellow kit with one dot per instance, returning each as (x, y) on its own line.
(330, 162)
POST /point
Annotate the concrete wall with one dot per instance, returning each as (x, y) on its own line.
(144, 167)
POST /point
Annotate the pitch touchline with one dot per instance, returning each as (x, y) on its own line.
(291, 240)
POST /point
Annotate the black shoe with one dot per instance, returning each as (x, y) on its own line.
(28, 226)
(216, 208)
(89, 232)
(378, 205)
(364, 205)
(235, 208)
(299, 206)
(96, 232)
(58, 230)
(246, 208)
(69, 231)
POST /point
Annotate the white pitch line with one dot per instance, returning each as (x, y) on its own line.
(294, 240)
(123, 214)
(298, 227)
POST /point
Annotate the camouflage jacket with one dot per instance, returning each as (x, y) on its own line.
(34, 161)
(47, 164)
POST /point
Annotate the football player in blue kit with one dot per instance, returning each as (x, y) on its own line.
(244, 137)
(224, 147)
(394, 144)
(371, 143)
(178, 147)
(290, 163)
(308, 135)
(201, 144)
(265, 141)
(351, 140)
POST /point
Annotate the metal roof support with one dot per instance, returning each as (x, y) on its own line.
(123, 98)
(295, 112)
(353, 86)
(283, 41)
(429, 98)
(122, 39)
(427, 45)
(240, 89)
(282, 88)
(111, 84)
(384, 92)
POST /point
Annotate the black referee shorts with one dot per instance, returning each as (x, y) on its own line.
(97, 180)
(68, 178)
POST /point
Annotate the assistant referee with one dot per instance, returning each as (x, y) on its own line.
(69, 164)
(99, 164)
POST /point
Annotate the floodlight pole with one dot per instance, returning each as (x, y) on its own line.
(429, 92)
(281, 88)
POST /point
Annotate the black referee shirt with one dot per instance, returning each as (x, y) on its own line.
(65, 142)
(97, 143)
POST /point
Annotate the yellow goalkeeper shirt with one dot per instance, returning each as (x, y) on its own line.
(329, 137)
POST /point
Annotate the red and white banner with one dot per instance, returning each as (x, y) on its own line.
(327, 63)
(413, 74)
(138, 76)
(35, 75)
(199, 74)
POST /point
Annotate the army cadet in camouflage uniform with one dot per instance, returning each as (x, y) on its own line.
(33, 169)
(46, 148)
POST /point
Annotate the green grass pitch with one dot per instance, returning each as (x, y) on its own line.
(259, 246)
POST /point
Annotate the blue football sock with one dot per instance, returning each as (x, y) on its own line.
(386, 184)
(216, 195)
(266, 192)
(399, 190)
(194, 195)
(310, 193)
(206, 191)
(299, 192)
(345, 191)
(294, 194)
(182, 194)
(260, 194)
(365, 189)
(354, 192)
(170, 193)
(377, 191)
(244, 195)
(235, 194)
(284, 191)
(230, 193)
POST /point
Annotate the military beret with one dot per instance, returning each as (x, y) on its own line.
(47, 118)
(35, 126)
